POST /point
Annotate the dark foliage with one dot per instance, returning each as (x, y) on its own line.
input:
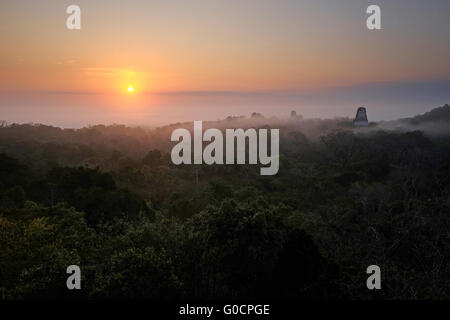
(109, 199)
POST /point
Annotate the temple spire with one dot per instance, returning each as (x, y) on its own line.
(361, 118)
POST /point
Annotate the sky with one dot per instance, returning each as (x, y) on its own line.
(207, 59)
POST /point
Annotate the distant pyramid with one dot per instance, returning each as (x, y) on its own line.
(361, 118)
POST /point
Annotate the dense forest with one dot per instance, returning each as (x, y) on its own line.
(108, 198)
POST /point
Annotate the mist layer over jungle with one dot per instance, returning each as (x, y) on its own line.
(109, 199)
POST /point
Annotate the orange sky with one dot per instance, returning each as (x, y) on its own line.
(211, 46)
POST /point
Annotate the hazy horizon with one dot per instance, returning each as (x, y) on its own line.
(77, 109)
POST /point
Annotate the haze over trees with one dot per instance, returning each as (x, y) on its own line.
(108, 198)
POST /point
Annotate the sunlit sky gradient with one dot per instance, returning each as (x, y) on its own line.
(208, 59)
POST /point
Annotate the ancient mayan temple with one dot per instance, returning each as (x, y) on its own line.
(361, 118)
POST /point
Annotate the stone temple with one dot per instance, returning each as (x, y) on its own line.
(361, 118)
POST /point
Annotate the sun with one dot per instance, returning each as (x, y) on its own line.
(130, 89)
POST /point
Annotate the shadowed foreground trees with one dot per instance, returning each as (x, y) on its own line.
(140, 227)
(232, 251)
